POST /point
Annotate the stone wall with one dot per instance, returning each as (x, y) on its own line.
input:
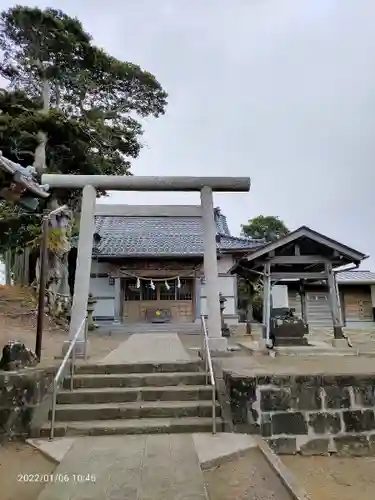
(311, 415)
(25, 398)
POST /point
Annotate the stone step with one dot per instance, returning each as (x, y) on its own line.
(121, 395)
(102, 368)
(129, 328)
(133, 426)
(136, 380)
(144, 409)
(291, 341)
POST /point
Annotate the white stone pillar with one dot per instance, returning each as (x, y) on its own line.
(118, 299)
(216, 341)
(198, 300)
(83, 266)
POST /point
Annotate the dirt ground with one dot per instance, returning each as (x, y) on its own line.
(245, 478)
(18, 322)
(334, 478)
(323, 478)
(21, 471)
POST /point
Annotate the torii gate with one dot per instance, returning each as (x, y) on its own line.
(91, 183)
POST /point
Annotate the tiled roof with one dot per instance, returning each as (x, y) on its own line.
(161, 236)
(356, 277)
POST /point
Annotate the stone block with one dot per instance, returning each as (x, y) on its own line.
(306, 398)
(289, 423)
(359, 421)
(266, 429)
(242, 395)
(315, 447)
(22, 395)
(275, 400)
(340, 343)
(354, 446)
(337, 397)
(323, 423)
(339, 380)
(364, 396)
(306, 380)
(283, 446)
(274, 380)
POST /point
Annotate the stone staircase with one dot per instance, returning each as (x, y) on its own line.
(141, 398)
(143, 327)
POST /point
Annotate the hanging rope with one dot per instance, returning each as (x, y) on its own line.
(142, 278)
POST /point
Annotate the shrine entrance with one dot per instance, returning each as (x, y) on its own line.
(91, 184)
(158, 301)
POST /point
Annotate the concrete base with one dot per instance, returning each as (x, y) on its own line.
(81, 348)
(340, 343)
(215, 450)
(338, 333)
(55, 450)
(217, 344)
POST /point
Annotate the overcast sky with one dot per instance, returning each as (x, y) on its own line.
(282, 91)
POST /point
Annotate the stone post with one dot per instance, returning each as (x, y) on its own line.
(83, 267)
(90, 310)
(224, 327)
(216, 341)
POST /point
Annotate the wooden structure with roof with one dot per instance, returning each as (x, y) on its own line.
(304, 255)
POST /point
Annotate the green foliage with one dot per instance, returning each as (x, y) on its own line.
(89, 116)
(250, 296)
(17, 227)
(267, 227)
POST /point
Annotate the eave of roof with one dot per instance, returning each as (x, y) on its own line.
(350, 254)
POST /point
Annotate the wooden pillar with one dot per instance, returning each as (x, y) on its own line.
(332, 291)
(302, 293)
(339, 301)
(267, 301)
(8, 267)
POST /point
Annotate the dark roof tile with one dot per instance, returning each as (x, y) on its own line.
(161, 236)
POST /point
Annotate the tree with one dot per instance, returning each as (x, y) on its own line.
(69, 108)
(250, 293)
(265, 227)
(73, 86)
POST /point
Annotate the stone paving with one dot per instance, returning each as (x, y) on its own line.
(149, 347)
(139, 467)
(133, 467)
(260, 364)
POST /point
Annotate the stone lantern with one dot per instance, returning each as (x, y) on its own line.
(225, 332)
(90, 309)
